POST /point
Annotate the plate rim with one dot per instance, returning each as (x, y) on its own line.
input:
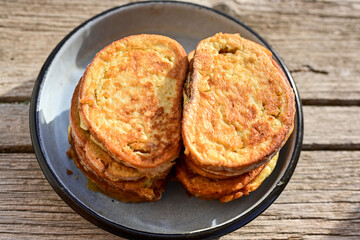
(123, 231)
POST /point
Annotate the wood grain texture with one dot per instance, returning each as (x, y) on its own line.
(317, 39)
(14, 128)
(320, 202)
(29, 207)
(331, 127)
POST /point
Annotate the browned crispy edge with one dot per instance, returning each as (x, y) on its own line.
(126, 191)
(203, 172)
(210, 189)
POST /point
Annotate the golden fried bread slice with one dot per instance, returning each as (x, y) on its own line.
(223, 189)
(106, 164)
(131, 99)
(208, 188)
(240, 108)
(254, 184)
(142, 190)
(113, 169)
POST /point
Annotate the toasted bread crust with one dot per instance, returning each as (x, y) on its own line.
(240, 109)
(254, 184)
(206, 173)
(130, 99)
(142, 190)
(209, 188)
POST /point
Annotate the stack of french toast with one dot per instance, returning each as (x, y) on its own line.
(221, 114)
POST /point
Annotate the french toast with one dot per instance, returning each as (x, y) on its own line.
(130, 100)
(239, 107)
(114, 179)
(94, 152)
(142, 190)
(125, 116)
(227, 189)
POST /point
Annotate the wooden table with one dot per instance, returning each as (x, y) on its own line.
(318, 40)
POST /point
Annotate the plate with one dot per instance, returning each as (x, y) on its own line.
(176, 215)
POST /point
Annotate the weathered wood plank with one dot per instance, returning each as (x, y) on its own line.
(320, 202)
(317, 39)
(331, 127)
(325, 128)
(30, 209)
(41, 25)
(14, 128)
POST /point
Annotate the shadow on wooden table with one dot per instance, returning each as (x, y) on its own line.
(349, 226)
